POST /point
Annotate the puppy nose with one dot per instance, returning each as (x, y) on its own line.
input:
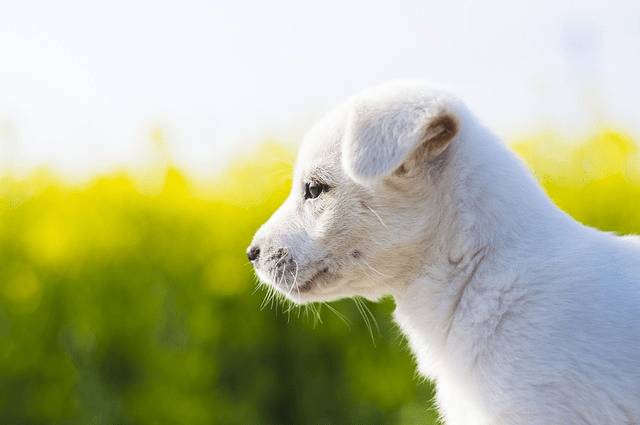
(253, 253)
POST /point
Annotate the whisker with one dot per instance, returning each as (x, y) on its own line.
(258, 284)
(374, 269)
(295, 279)
(376, 214)
(339, 315)
(367, 271)
(316, 314)
(281, 280)
(373, 317)
(267, 297)
(358, 302)
(280, 259)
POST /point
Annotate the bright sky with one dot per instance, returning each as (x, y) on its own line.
(82, 83)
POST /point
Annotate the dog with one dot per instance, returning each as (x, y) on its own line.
(520, 314)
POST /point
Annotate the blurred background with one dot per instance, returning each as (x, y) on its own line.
(142, 143)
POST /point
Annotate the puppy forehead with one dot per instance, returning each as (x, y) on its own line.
(320, 148)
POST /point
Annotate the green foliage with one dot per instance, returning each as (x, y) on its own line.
(129, 300)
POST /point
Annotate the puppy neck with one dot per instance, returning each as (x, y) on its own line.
(496, 215)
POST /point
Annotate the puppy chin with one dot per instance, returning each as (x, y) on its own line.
(329, 287)
(311, 297)
(335, 291)
(314, 294)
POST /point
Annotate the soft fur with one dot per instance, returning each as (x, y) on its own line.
(520, 314)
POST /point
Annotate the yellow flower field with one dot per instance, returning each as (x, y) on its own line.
(128, 299)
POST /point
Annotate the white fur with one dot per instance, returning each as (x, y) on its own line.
(520, 314)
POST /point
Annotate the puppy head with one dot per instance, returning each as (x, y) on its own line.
(364, 200)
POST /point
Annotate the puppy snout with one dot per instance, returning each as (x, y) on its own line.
(253, 253)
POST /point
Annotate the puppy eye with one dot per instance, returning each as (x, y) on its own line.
(313, 189)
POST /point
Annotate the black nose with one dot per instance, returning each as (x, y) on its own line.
(253, 253)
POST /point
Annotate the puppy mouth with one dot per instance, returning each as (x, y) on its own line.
(311, 282)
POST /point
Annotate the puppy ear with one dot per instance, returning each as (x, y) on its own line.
(391, 132)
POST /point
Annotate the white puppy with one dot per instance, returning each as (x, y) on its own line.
(520, 314)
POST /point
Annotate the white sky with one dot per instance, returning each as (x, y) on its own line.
(82, 83)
